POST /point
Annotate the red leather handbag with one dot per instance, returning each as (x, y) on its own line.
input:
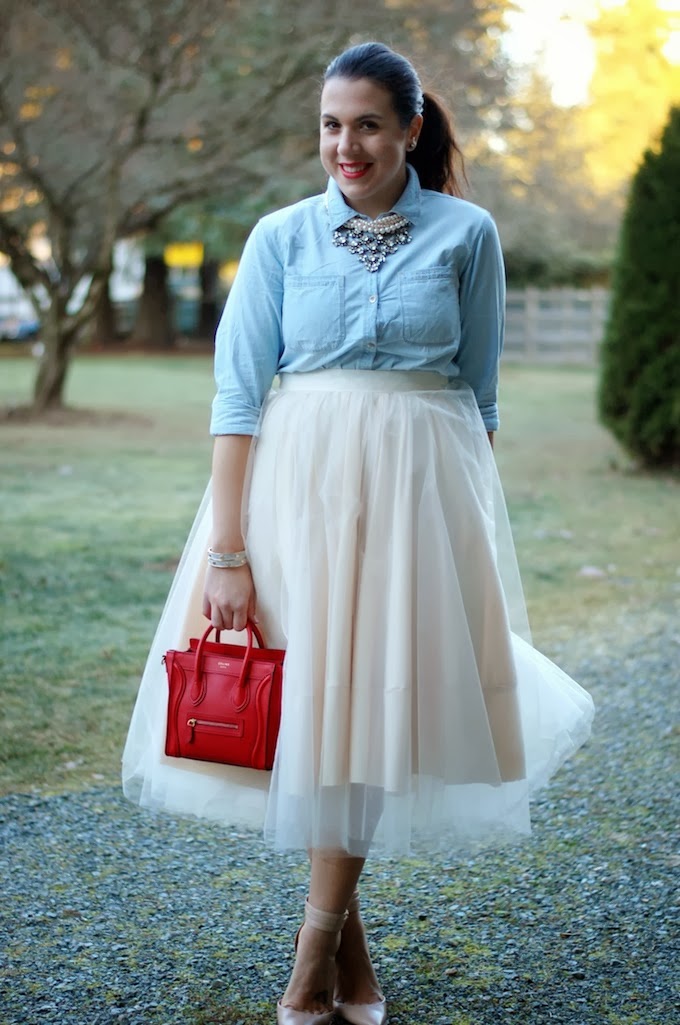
(224, 701)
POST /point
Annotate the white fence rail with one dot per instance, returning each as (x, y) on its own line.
(555, 325)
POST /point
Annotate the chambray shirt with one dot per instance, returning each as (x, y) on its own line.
(300, 303)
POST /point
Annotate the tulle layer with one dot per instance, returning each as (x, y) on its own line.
(414, 703)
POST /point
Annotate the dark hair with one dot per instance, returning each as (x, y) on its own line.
(437, 154)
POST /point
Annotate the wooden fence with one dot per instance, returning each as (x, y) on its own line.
(555, 325)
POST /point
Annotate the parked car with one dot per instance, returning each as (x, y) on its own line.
(18, 329)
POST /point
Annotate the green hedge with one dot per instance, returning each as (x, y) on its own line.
(639, 389)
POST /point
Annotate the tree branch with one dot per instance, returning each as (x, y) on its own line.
(25, 267)
(23, 156)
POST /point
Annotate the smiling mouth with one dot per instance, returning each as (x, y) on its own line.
(354, 170)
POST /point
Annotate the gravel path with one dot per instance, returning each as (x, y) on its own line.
(113, 915)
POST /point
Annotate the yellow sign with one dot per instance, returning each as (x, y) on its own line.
(183, 254)
(228, 272)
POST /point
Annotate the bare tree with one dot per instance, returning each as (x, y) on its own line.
(113, 114)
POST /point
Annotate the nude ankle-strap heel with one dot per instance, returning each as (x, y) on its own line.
(361, 1014)
(326, 921)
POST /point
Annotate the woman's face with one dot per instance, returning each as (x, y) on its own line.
(362, 145)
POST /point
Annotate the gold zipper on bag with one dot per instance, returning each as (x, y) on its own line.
(193, 723)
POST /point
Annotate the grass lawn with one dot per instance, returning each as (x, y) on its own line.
(94, 516)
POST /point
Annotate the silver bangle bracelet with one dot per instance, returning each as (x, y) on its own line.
(227, 560)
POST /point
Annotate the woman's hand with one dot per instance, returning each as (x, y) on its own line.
(229, 597)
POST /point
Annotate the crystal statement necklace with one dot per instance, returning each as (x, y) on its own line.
(373, 241)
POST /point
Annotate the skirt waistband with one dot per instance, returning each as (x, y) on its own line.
(363, 380)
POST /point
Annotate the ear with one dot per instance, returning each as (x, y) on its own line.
(413, 131)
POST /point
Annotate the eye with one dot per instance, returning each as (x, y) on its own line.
(370, 126)
(330, 124)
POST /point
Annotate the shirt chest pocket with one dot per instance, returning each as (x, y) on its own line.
(313, 313)
(429, 307)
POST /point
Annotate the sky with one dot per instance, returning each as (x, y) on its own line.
(554, 33)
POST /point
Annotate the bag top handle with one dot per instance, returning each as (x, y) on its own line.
(251, 627)
(240, 695)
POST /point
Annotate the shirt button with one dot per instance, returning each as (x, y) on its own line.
(372, 298)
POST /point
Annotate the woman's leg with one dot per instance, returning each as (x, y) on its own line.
(334, 877)
(356, 981)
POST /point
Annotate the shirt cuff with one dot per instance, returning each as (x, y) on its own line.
(490, 416)
(232, 419)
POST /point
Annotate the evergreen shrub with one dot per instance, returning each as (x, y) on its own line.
(639, 387)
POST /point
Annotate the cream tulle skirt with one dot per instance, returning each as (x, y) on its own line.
(414, 704)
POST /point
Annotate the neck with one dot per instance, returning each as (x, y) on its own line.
(374, 208)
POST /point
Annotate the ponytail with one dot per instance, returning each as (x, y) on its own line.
(437, 159)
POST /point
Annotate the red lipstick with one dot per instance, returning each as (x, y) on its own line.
(353, 171)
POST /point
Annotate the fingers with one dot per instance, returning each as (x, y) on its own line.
(229, 598)
(240, 619)
(228, 620)
(217, 619)
(226, 617)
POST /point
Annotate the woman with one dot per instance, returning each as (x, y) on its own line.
(375, 545)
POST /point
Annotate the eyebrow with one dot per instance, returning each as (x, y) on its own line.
(361, 117)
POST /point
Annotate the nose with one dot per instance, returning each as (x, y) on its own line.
(347, 143)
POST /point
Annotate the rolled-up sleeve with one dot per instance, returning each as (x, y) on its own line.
(248, 340)
(482, 314)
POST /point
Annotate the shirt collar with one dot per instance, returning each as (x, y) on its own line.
(408, 204)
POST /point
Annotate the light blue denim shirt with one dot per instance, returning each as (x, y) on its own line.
(300, 303)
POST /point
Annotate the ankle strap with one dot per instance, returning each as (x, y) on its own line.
(326, 921)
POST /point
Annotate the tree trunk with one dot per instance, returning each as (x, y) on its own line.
(104, 331)
(153, 327)
(60, 332)
(209, 313)
(101, 328)
(50, 381)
